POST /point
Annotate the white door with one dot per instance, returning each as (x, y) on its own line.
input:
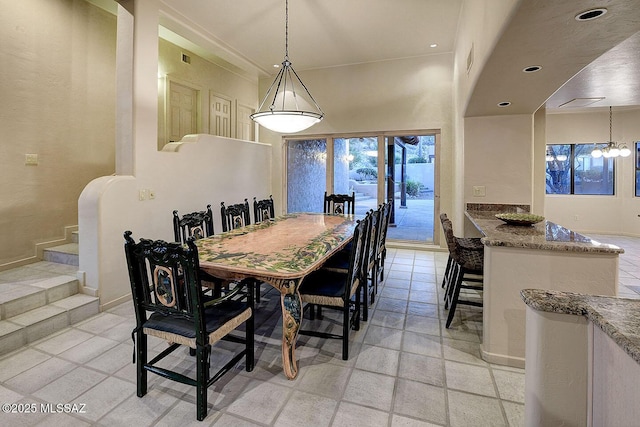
(219, 116)
(183, 111)
(244, 125)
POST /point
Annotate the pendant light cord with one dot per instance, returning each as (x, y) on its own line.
(286, 30)
(610, 123)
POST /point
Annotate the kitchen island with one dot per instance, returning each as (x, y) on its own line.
(583, 359)
(542, 256)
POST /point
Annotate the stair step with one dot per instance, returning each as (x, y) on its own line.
(41, 322)
(63, 254)
(18, 298)
(75, 236)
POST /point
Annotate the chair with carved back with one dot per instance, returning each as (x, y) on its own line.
(196, 225)
(263, 210)
(170, 304)
(381, 251)
(235, 216)
(339, 203)
(338, 290)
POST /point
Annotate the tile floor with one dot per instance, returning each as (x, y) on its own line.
(405, 369)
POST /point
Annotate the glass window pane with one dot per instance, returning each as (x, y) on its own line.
(356, 170)
(306, 175)
(558, 161)
(592, 175)
(342, 160)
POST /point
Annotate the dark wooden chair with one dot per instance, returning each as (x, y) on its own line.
(381, 252)
(466, 271)
(235, 216)
(263, 210)
(195, 224)
(169, 304)
(339, 290)
(339, 203)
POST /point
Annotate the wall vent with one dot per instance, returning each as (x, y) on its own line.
(186, 58)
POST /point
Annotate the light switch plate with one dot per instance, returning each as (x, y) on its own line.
(479, 191)
(31, 159)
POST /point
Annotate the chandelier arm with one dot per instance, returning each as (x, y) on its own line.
(307, 90)
(278, 79)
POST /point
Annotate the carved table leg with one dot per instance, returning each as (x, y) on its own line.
(291, 316)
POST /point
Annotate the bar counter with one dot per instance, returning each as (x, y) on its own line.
(583, 359)
(543, 256)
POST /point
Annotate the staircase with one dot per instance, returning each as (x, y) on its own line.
(39, 299)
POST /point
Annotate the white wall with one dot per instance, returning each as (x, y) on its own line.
(58, 101)
(498, 153)
(616, 214)
(206, 170)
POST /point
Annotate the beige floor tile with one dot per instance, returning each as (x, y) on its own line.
(469, 378)
(472, 410)
(305, 409)
(350, 415)
(378, 359)
(370, 389)
(420, 400)
(422, 368)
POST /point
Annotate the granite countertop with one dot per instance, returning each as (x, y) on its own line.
(545, 235)
(617, 317)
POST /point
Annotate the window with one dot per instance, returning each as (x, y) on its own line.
(637, 144)
(572, 170)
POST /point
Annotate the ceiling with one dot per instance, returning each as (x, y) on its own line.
(602, 54)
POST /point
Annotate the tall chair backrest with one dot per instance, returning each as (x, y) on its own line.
(235, 216)
(373, 231)
(263, 210)
(385, 215)
(357, 258)
(195, 224)
(164, 279)
(339, 203)
(447, 226)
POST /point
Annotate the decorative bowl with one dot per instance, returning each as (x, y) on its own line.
(519, 218)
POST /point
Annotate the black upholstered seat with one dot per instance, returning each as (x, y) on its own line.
(170, 304)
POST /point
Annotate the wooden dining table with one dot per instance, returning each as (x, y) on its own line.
(280, 252)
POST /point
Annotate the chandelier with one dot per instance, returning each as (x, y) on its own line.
(612, 149)
(292, 108)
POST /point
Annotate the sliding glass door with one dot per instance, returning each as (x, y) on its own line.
(377, 168)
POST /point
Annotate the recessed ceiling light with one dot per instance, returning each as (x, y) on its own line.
(433, 45)
(504, 104)
(276, 65)
(590, 14)
(532, 68)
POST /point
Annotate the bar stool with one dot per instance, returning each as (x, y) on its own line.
(464, 271)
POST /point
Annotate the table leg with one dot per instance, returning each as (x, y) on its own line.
(291, 316)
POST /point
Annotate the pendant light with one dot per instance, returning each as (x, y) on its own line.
(612, 149)
(292, 108)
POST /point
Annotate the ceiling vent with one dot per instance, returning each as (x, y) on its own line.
(470, 59)
(580, 102)
(186, 58)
